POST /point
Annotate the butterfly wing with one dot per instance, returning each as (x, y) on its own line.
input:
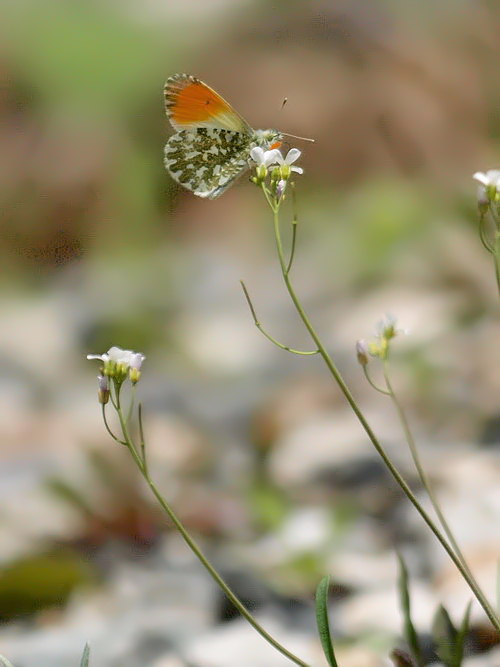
(190, 104)
(207, 161)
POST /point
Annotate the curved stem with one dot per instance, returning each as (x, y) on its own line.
(108, 429)
(142, 465)
(273, 340)
(496, 258)
(368, 430)
(294, 242)
(424, 478)
(143, 442)
(372, 384)
(482, 234)
(493, 248)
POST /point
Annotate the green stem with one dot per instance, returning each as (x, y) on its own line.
(496, 258)
(482, 234)
(140, 463)
(371, 383)
(364, 423)
(273, 340)
(108, 429)
(426, 483)
(494, 247)
(294, 242)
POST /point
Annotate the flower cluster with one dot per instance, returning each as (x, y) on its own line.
(117, 365)
(489, 188)
(385, 331)
(281, 167)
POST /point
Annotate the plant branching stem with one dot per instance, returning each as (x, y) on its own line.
(366, 426)
(273, 340)
(294, 243)
(424, 478)
(496, 257)
(372, 383)
(142, 466)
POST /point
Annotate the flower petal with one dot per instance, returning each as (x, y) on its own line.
(297, 170)
(481, 177)
(136, 360)
(120, 356)
(101, 357)
(271, 157)
(257, 154)
(292, 155)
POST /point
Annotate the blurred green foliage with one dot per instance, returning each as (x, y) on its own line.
(42, 581)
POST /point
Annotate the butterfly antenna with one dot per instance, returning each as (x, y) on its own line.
(294, 136)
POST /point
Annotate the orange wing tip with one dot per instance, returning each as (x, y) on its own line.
(190, 101)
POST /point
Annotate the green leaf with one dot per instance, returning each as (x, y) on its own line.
(4, 662)
(445, 635)
(462, 636)
(323, 622)
(85, 656)
(409, 629)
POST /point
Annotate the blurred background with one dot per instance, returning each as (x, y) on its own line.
(255, 448)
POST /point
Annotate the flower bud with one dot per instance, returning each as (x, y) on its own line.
(103, 389)
(135, 364)
(285, 170)
(483, 202)
(109, 368)
(260, 174)
(362, 352)
(280, 189)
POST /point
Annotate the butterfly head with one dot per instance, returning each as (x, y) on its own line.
(268, 139)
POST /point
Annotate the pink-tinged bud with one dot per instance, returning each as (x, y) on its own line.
(103, 389)
(362, 352)
(280, 189)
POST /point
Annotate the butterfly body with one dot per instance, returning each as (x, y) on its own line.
(212, 144)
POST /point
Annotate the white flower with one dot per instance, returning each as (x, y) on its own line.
(490, 178)
(118, 356)
(489, 188)
(386, 328)
(117, 363)
(291, 157)
(136, 361)
(264, 158)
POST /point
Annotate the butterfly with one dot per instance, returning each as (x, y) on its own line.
(211, 146)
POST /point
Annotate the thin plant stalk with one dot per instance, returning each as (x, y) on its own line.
(420, 469)
(496, 258)
(479, 595)
(492, 246)
(143, 468)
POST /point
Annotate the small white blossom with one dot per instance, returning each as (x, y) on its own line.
(490, 178)
(118, 356)
(489, 188)
(117, 363)
(264, 158)
(291, 157)
(386, 328)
